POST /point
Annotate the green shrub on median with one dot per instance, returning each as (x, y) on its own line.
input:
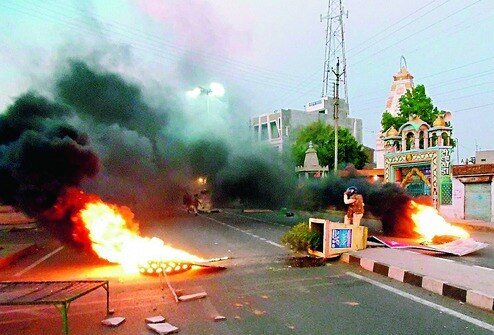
(300, 238)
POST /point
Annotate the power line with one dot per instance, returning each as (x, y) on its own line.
(475, 107)
(449, 82)
(405, 25)
(152, 46)
(401, 20)
(421, 30)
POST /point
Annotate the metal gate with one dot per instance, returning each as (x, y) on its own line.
(478, 202)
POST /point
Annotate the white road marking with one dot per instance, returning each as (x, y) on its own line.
(445, 259)
(246, 232)
(483, 267)
(275, 244)
(20, 273)
(440, 308)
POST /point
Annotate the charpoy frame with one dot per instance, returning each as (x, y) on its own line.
(57, 293)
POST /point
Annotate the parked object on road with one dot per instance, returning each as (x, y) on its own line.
(337, 237)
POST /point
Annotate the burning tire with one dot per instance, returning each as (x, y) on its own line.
(157, 267)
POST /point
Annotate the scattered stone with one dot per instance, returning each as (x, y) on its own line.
(219, 318)
(113, 322)
(162, 328)
(155, 319)
(351, 303)
(194, 296)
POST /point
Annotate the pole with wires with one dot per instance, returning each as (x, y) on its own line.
(336, 111)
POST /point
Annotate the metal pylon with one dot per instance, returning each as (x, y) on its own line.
(335, 46)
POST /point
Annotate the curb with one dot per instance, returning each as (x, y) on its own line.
(471, 226)
(471, 297)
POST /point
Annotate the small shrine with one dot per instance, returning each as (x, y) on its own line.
(418, 156)
(311, 167)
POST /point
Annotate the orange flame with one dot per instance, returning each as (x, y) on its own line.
(429, 223)
(115, 237)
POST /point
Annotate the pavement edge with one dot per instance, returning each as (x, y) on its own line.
(471, 297)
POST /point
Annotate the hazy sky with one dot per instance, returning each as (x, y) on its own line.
(268, 53)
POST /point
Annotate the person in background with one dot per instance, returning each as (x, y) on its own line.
(187, 201)
(355, 203)
(195, 203)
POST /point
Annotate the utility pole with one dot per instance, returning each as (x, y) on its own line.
(336, 111)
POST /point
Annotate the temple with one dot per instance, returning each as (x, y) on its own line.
(402, 81)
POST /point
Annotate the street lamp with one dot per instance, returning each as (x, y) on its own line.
(215, 89)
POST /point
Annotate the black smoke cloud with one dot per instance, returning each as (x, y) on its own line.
(386, 201)
(100, 132)
(41, 154)
(106, 98)
(256, 181)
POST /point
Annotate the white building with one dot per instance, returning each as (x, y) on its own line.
(484, 157)
(277, 127)
(473, 193)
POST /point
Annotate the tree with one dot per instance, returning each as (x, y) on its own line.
(322, 137)
(413, 102)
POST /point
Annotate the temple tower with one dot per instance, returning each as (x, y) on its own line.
(402, 81)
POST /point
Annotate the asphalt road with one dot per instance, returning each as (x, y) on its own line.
(258, 293)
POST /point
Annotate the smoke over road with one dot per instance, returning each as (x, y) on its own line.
(98, 132)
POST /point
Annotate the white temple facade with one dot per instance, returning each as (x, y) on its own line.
(402, 81)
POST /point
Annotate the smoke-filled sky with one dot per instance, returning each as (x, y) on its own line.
(268, 54)
(97, 114)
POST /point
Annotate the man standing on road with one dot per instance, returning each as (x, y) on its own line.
(355, 203)
(187, 201)
(195, 203)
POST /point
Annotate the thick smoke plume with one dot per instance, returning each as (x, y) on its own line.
(386, 201)
(41, 154)
(99, 132)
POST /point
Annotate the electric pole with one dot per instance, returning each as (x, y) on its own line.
(336, 111)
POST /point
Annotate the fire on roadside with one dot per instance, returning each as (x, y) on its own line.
(113, 235)
(432, 226)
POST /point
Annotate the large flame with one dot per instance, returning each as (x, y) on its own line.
(114, 236)
(430, 224)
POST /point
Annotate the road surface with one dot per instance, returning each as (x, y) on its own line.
(258, 293)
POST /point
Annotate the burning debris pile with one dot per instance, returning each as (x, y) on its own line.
(432, 226)
(83, 137)
(111, 232)
(435, 233)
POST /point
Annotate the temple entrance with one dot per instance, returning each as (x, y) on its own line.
(416, 180)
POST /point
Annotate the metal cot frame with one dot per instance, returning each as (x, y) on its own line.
(57, 293)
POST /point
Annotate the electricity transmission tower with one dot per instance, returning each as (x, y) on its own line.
(335, 46)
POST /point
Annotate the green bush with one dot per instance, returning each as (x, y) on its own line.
(299, 238)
